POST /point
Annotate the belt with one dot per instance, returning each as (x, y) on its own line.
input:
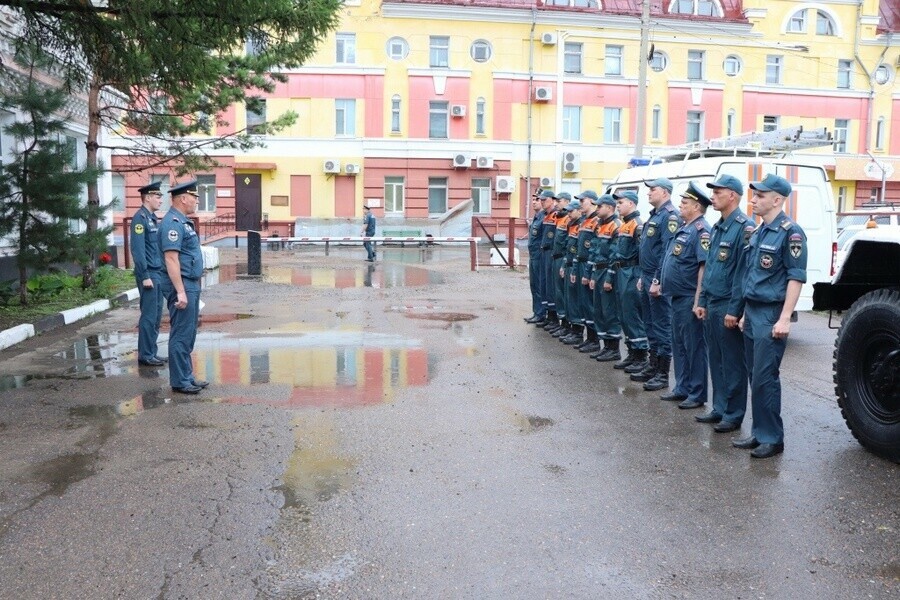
(626, 263)
(599, 266)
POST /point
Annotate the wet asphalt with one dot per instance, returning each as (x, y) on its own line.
(396, 431)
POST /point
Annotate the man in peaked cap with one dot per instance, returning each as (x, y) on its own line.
(183, 268)
(535, 273)
(147, 273)
(660, 227)
(368, 230)
(775, 273)
(682, 271)
(722, 304)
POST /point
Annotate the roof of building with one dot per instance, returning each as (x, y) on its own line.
(733, 9)
(889, 11)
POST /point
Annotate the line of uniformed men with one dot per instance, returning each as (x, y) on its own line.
(595, 277)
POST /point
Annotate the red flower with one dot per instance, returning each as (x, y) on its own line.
(105, 258)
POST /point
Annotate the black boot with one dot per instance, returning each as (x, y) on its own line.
(660, 381)
(649, 370)
(593, 342)
(577, 335)
(552, 320)
(564, 329)
(634, 356)
(610, 352)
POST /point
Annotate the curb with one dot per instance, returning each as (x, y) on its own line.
(20, 333)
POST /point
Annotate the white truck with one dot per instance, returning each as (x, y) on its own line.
(867, 348)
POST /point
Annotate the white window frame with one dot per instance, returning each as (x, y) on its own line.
(481, 51)
(845, 74)
(394, 186)
(771, 122)
(797, 22)
(825, 24)
(481, 195)
(880, 125)
(439, 51)
(345, 48)
(732, 65)
(841, 134)
(438, 114)
(656, 122)
(397, 48)
(572, 57)
(571, 124)
(614, 61)
(345, 117)
(659, 62)
(255, 118)
(612, 125)
(395, 113)
(206, 192)
(774, 69)
(730, 122)
(695, 120)
(438, 186)
(692, 7)
(480, 107)
(696, 65)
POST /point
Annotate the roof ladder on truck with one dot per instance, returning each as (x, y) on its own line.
(767, 143)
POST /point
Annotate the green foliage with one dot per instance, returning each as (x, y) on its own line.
(41, 287)
(7, 291)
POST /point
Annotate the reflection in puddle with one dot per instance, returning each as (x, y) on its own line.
(314, 472)
(379, 275)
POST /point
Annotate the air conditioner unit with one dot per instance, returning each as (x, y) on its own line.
(484, 162)
(546, 182)
(506, 185)
(571, 162)
(458, 110)
(543, 93)
(331, 165)
(351, 169)
(461, 161)
(548, 38)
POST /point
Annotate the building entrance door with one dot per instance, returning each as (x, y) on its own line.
(247, 201)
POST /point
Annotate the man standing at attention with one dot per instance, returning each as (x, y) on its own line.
(147, 273)
(368, 230)
(538, 305)
(183, 262)
(623, 277)
(722, 304)
(775, 272)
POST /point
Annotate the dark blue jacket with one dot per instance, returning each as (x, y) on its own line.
(777, 253)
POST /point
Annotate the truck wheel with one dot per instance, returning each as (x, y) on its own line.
(867, 372)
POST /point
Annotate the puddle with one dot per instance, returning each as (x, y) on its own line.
(531, 423)
(63, 471)
(377, 275)
(441, 316)
(208, 318)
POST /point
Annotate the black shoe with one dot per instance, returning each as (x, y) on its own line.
(540, 323)
(767, 450)
(151, 362)
(609, 355)
(673, 397)
(710, 417)
(201, 384)
(191, 389)
(747, 443)
(726, 426)
(591, 347)
(532, 319)
(657, 383)
(689, 404)
(162, 358)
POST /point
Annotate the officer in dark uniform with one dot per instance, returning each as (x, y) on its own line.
(657, 309)
(147, 273)
(535, 274)
(722, 304)
(368, 230)
(624, 273)
(572, 281)
(682, 272)
(775, 272)
(584, 264)
(183, 262)
(560, 243)
(548, 234)
(606, 306)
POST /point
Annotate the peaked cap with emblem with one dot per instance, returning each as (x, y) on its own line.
(188, 187)
(694, 192)
(150, 187)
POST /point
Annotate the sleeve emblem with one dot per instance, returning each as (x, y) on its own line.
(173, 235)
(138, 229)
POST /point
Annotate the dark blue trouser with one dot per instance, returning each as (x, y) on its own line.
(538, 307)
(151, 317)
(764, 354)
(559, 287)
(727, 366)
(688, 350)
(609, 313)
(573, 300)
(182, 333)
(370, 250)
(548, 298)
(630, 308)
(657, 319)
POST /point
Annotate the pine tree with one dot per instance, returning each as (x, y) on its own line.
(42, 188)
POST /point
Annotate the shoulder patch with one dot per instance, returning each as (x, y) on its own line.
(741, 219)
(787, 224)
(795, 237)
(138, 229)
(699, 225)
(173, 235)
(673, 216)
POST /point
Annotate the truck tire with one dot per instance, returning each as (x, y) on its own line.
(867, 371)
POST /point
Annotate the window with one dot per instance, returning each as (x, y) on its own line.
(612, 125)
(694, 126)
(438, 119)
(845, 69)
(770, 123)
(572, 57)
(797, 24)
(256, 115)
(873, 195)
(393, 194)
(571, 124)
(480, 51)
(613, 62)
(397, 48)
(879, 134)
(730, 122)
(824, 23)
(659, 61)
(395, 113)
(345, 117)
(840, 134)
(256, 45)
(656, 123)
(206, 190)
(479, 116)
(842, 197)
(706, 8)
(481, 196)
(732, 65)
(118, 191)
(774, 64)
(437, 196)
(882, 74)
(346, 48)
(439, 53)
(696, 58)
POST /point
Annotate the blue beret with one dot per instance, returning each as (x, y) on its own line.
(626, 195)
(189, 187)
(694, 192)
(150, 187)
(728, 182)
(662, 182)
(773, 183)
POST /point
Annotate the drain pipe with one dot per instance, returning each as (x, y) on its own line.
(530, 107)
(870, 108)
